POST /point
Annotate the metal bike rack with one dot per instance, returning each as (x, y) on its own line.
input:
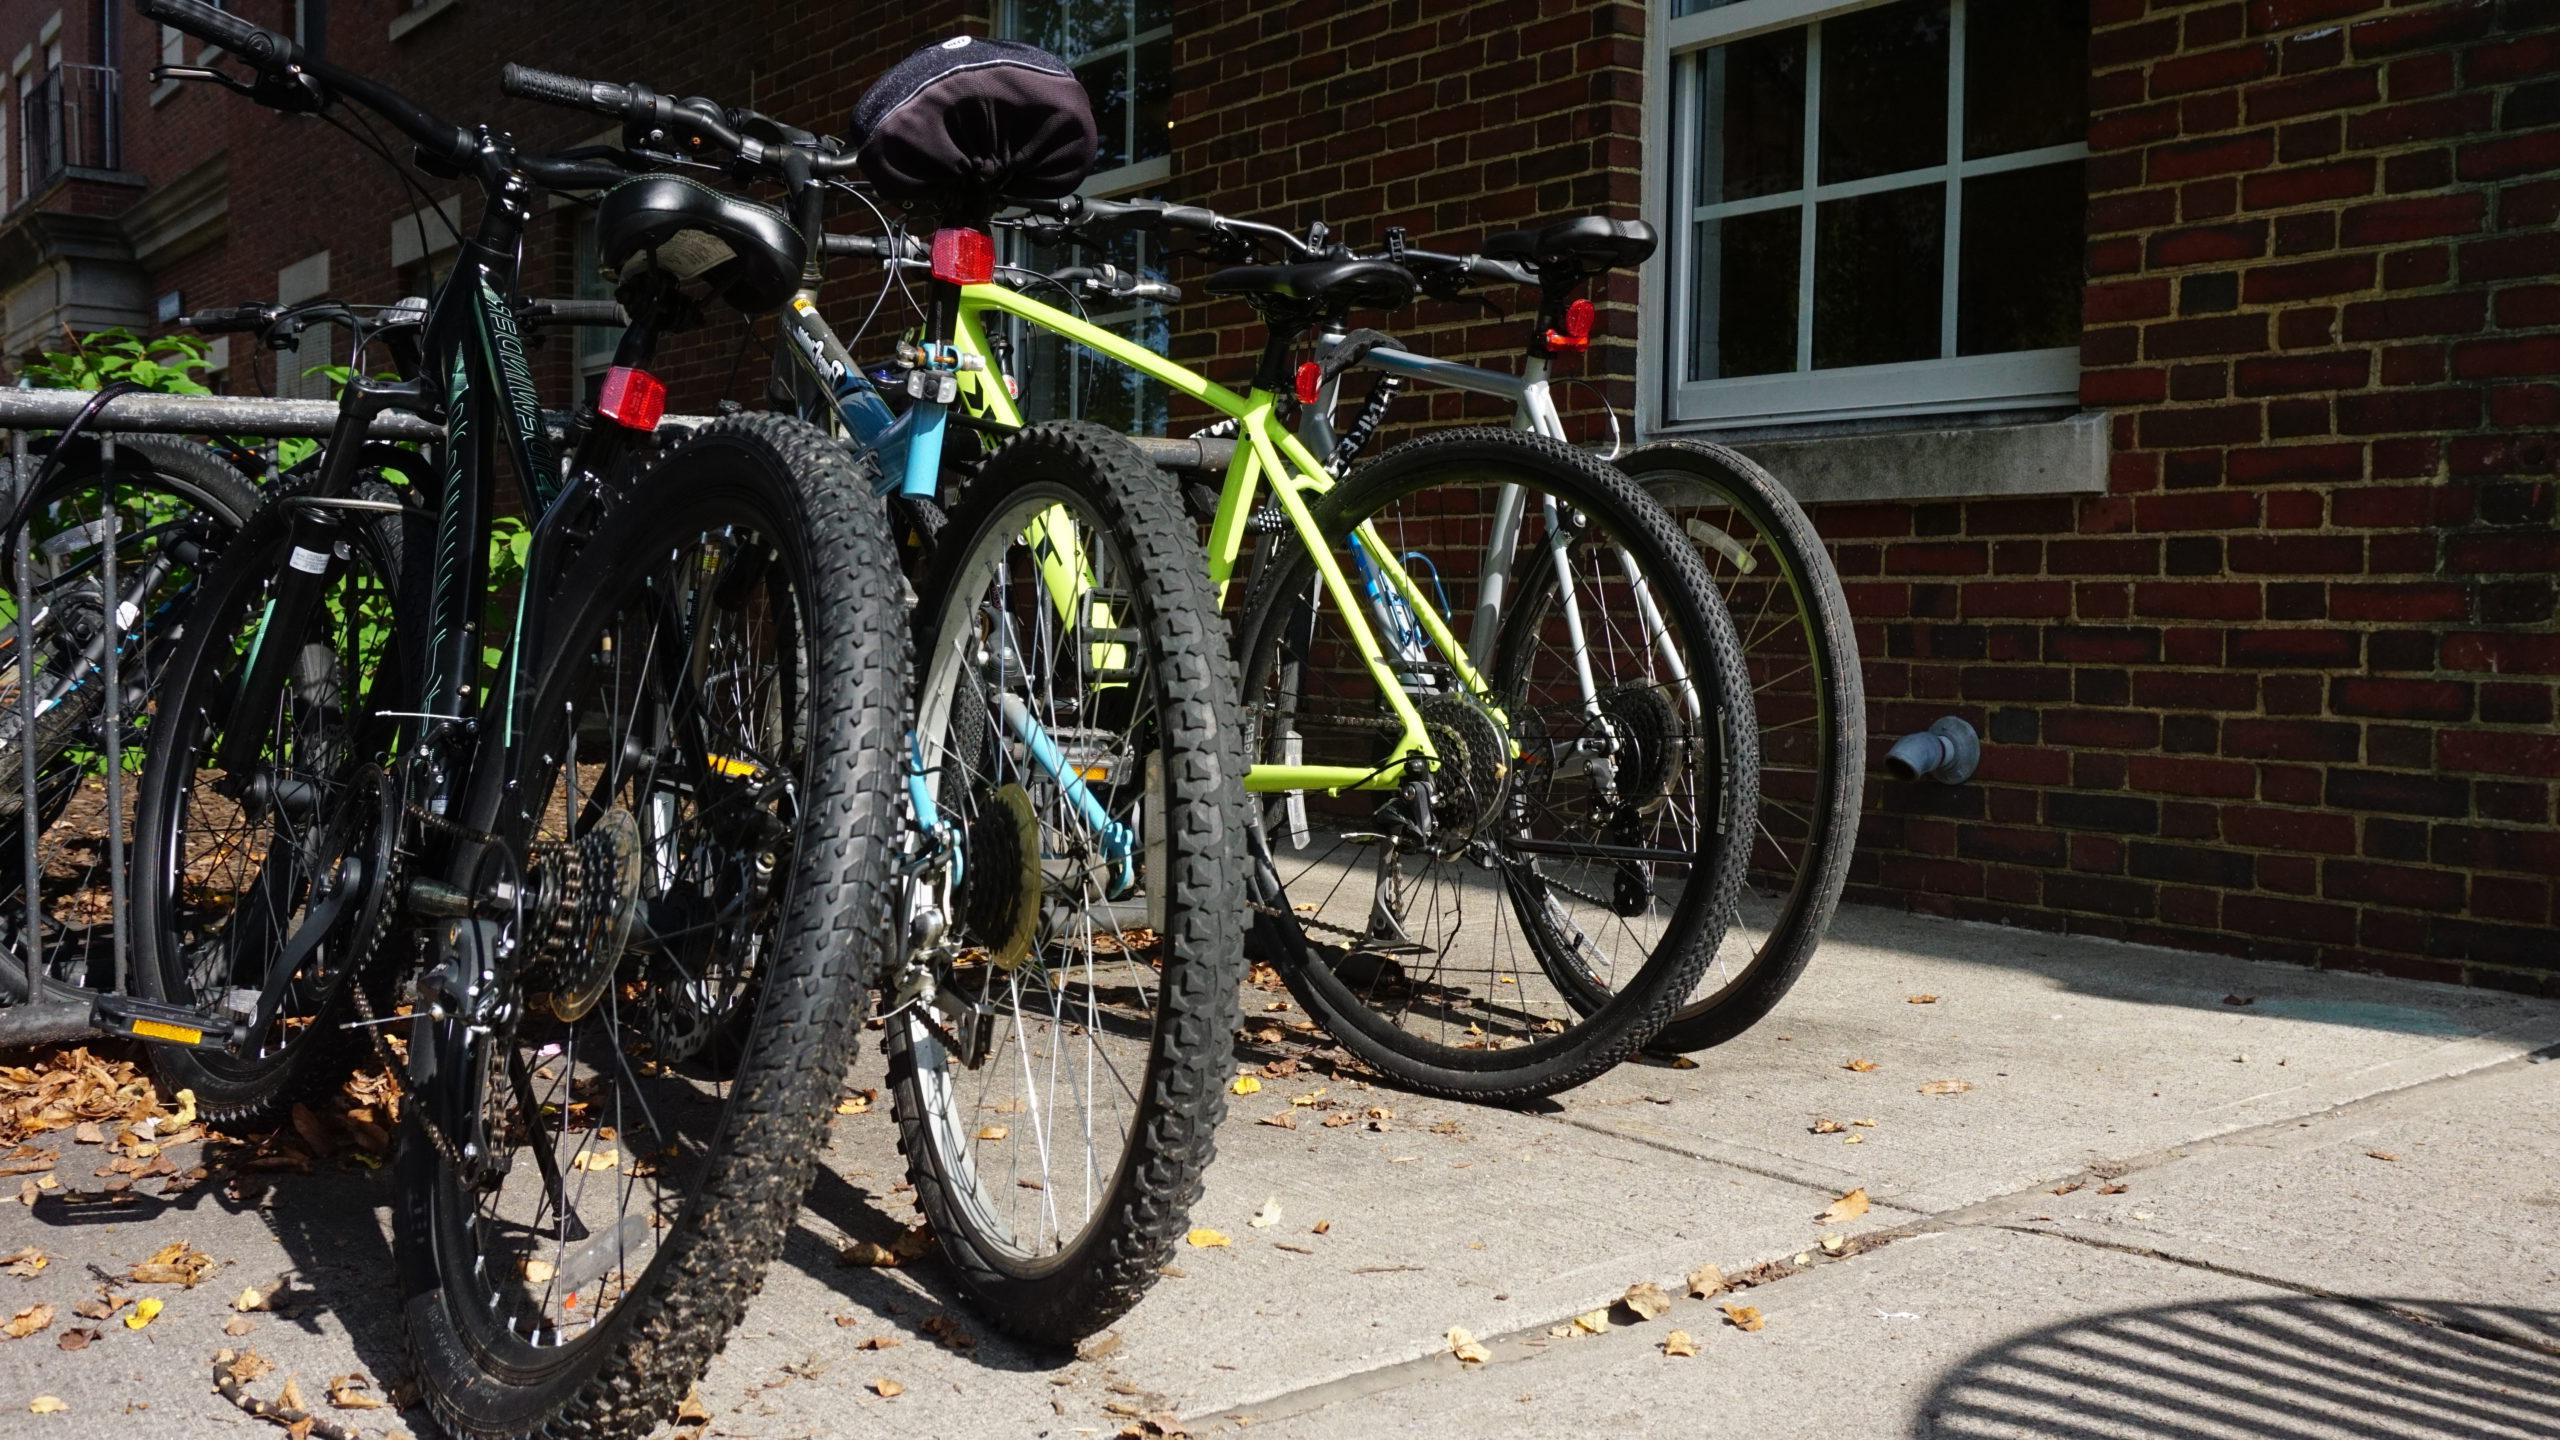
(51, 1009)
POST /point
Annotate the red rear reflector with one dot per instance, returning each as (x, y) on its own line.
(964, 257)
(1577, 319)
(1310, 382)
(632, 399)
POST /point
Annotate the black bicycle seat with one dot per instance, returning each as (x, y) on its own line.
(1586, 243)
(1328, 287)
(748, 253)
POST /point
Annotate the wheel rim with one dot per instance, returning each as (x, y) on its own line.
(1031, 1140)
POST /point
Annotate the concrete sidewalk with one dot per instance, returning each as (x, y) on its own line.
(2331, 1209)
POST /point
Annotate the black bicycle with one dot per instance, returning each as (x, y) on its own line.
(623, 851)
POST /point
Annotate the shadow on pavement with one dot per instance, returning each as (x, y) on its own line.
(2390, 1369)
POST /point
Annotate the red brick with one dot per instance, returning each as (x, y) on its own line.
(2306, 649)
(2528, 306)
(2029, 599)
(2537, 53)
(2196, 600)
(2509, 156)
(2393, 222)
(2312, 94)
(2325, 832)
(2400, 699)
(2290, 919)
(2295, 554)
(2220, 425)
(2501, 358)
(2495, 752)
(2296, 462)
(2510, 257)
(2205, 244)
(2308, 279)
(2295, 374)
(2215, 155)
(2189, 775)
(2104, 388)
(2456, 314)
(2308, 185)
(2400, 885)
(2213, 69)
(2406, 410)
(2419, 28)
(2403, 604)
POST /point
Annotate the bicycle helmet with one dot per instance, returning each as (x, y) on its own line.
(972, 123)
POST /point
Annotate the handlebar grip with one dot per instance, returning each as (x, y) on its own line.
(228, 317)
(1190, 217)
(526, 83)
(881, 247)
(1162, 291)
(261, 48)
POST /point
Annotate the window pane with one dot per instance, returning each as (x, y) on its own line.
(1107, 82)
(1752, 114)
(1155, 101)
(1884, 90)
(1876, 277)
(1153, 14)
(1071, 29)
(1745, 284)
(2018, 265)
(1699, 7)
(2026, 75)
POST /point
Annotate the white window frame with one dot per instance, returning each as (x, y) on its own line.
(1137, 174)
(305, 279)
(1666, 398)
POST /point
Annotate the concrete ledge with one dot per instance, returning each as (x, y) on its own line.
(2048, 457)
(403, 24)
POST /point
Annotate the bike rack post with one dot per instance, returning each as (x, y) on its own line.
(31, 948)
(111, 708)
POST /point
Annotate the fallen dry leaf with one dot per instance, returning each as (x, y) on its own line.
(869, 1254)
(176, 1263)
(1678, 1343)
(145, 1310)
(28, 1321)
(1833, 1244)
(249, 1365)
(1246, 1085)
(2382, 1155)
(1267, 1216)
(238, 1325)
(1591, 1322)
(1463, 1344)
(881, 1342)
(607, 1158)
(1204, 1238)
(692, 1411)
(1743, 1317)
(78, 1337)
(2116, 1189)
(994, 1132)
(1647, 1300)
(1320, 1227)
(46, 1405)
(1847, 1207)
(1704, 1281)
(887, 1389)
(25, 1263)
(538, 1272)
(855, 1104)
(1285, 1120)
(1825, 1125)
(1861, 1066)
(1919, 999)
(353, 1392)
(1946, 1087)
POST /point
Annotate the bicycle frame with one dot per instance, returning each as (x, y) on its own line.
(1266, 455)
(1533, 410)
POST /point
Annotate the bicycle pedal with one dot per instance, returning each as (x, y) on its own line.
(158, 1024)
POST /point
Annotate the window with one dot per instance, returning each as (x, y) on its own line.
(1123, 52)
(307, 279)
(1875, 207)
(595, 343)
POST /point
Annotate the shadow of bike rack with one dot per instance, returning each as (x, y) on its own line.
(36, 1006)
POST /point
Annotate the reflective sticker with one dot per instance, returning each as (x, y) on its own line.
(312, 562)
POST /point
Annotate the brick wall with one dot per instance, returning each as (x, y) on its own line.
(2288, 688)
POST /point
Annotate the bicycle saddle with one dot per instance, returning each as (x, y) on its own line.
(1319, 286)
(748, 253)
(1586, 242)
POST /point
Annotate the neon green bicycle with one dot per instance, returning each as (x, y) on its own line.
(1500, 727)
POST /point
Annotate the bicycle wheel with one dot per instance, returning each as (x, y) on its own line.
(1058, 1092)
(1548, 908)
(230, 871)
(609, 1135)
(1801, 649)
(173, 505)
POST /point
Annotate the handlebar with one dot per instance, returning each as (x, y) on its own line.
(288, 77)
(1156, 215)
(877, 247)
(1430, 264)
(602, 314)
(696, 121)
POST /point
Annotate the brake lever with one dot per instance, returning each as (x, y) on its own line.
(163, 73)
